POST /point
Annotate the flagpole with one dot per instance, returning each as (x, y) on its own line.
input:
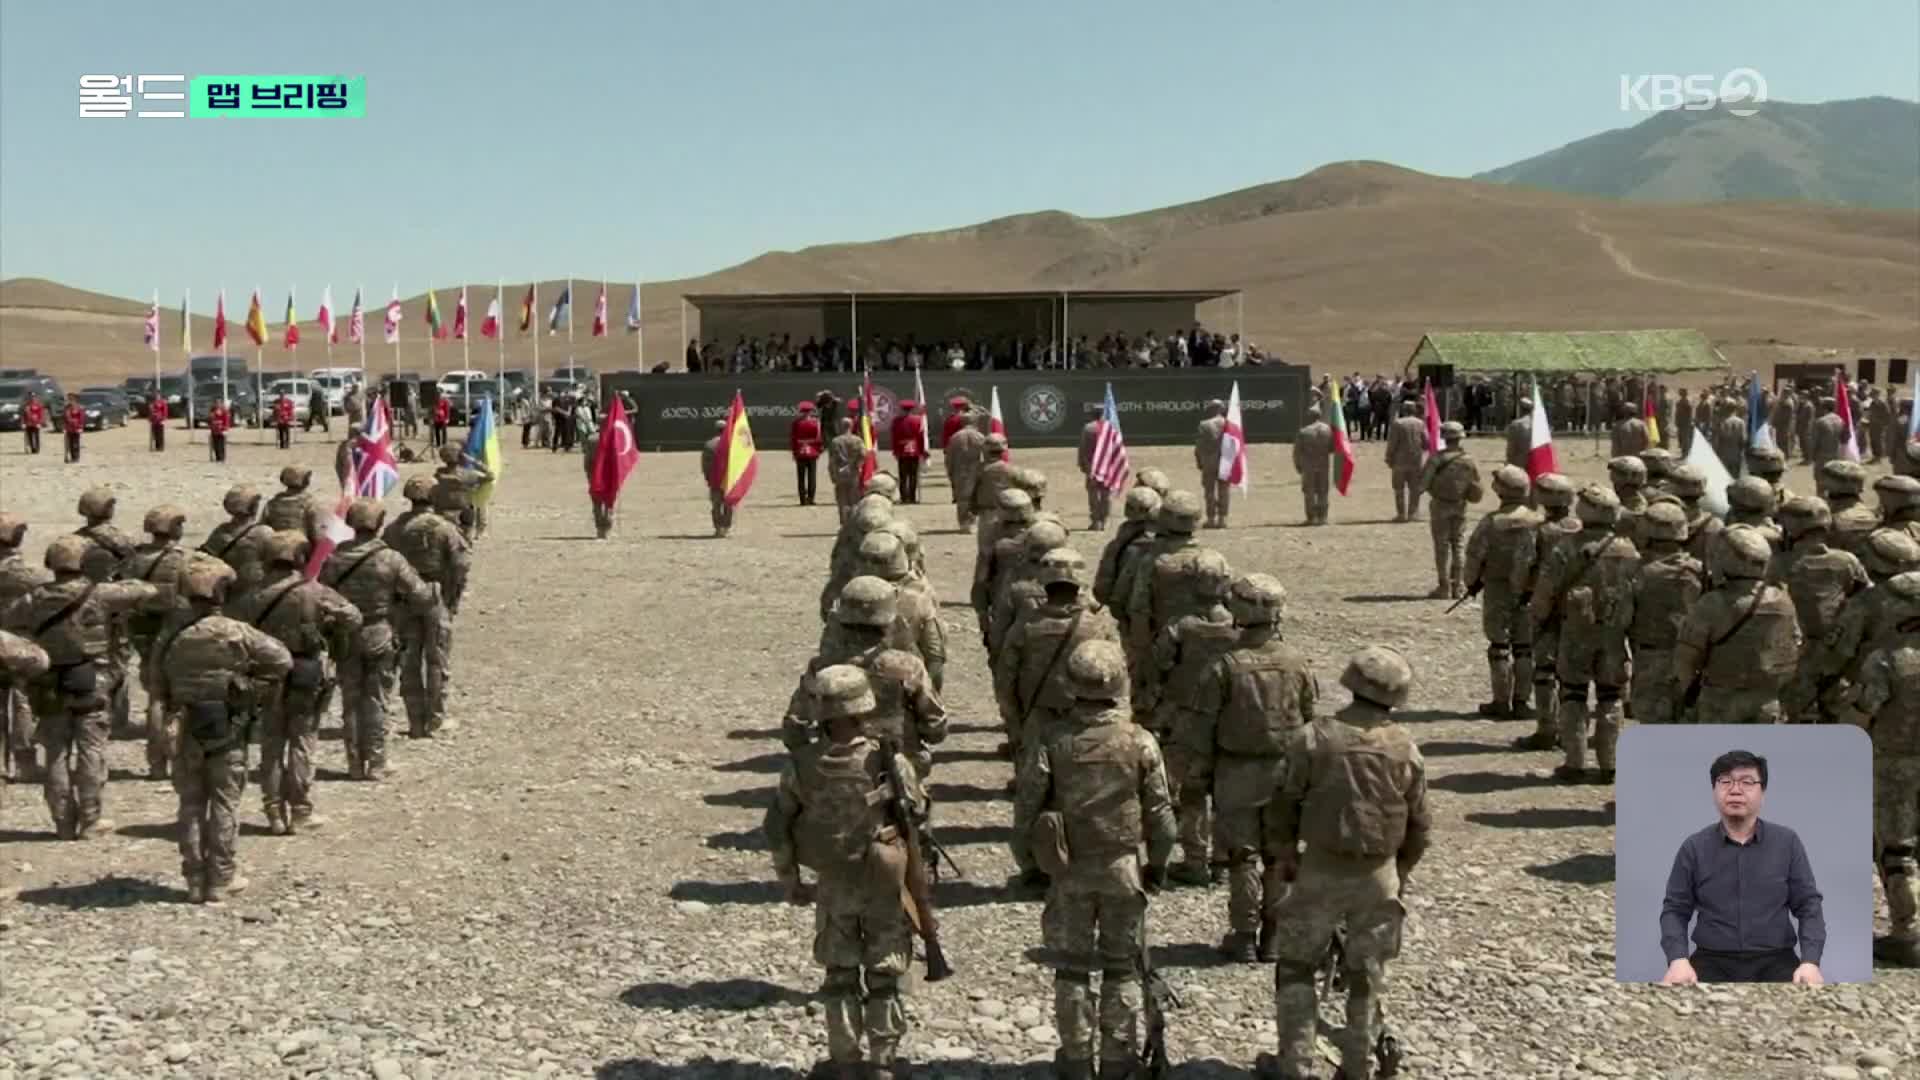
(569, 295)
(330, 324)
(364, 388)
(500, 335)
(533, 313)
(639, 332)
(466, 360)
(433, 367)
(186, 346)
(156, 341)
(683, 325)
(295, 321)
(396, 337)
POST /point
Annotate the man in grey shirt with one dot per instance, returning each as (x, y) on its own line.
(1743, 877)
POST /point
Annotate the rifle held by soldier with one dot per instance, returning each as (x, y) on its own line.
(918, 887)
(1473, 590)
(1159, 999)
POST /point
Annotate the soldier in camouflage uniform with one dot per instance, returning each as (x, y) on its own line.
(240, 539)
(1664, 588)
(1741, 643)
(1355, 791)
(1770, 465)
(1093, 796)
(379, 581)
(996, 474)
(1182, 652)
(845, 453)
(909, 711)
(1628, 475)
(21, 662)
(1553, 493)
(18, 577)
(317, 625)
(1584, 591)
(1659, 464)
(1819, 579)
(1157, 593)
(213, 671)
(440, 556)
(1029, 673)
(1500, 559)
(1853, 519)
(107, 547)
(1825, 439)
(294, 507)
(1232, 737)
(1016, 513)
(965, 455)
(1406, 453)
(72, 618)
(1750, 502)
(454, 484)
(1899, 498)
(1889, 557)
(873, 514)
(1520, 434)
(1017, 587)
(1153, 479)
(1312, 459)
(159, 563)
(917, 620)
(1451, 480)
(830, 814)
(717, 508)
(909, 538)
(1208, 445)
(1134, 535)
(1690, 484)
(1099, 499)
(1889, 706)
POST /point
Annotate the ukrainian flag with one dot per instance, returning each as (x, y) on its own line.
(483, 446)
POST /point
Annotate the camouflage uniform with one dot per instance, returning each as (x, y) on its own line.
(317, 625)
(1207, 444)
(1095, 792)
(1826, 438)
(1770, 465)
(1016, 513)
(1133, 536)
(1899, 498)
(212, 670)
(1554, 494)
(1157, 593)
(1853, 520)
(1629, 436)
(1099, 499)
(159, 563)
(717, 508)
(1820, 579)
(1406, 453)
(1312, 459)
(1520, 435)
(1355, 791)
(996, 474)
(1890, 558)
(1780, 418)
(1665, 587)
(377, 580)
(1690, 484)
(1803, 429)
(18, 577)
(1628, 475)
(1017, 587)
(964, 457)
(830, 814)
(1750, 503)
(1451, 480)
(1500, 559)
(873, 514)
(107, 547)
(1029, 669)
(72, 618)
(1182, 652)
(1730, 440)
(909, 711)
(1889, 704)
(454, 485)
(440, 556)
(1584, 589)
(295, 508)
(1741, 641)
(240, 540)
(916, 624)
(1232, 737)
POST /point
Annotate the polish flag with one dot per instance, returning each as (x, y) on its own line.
(490, 326)
(1540, 457)
(1233, 446)
(997, 426)
(460, 316)
(1843, 404)
(1433, 421)
(327, 325)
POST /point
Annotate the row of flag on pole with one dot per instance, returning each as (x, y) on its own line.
(491, 325)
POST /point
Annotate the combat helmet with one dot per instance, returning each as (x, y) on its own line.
(418, 489)
(1802, 515)
(1767, 463)
(67, 554)
(241, 500)
(1687, 481)
(883, 556)
(1257, 600)
(1015, 506)
(1179, 513)
(1658, 461)
(884, 485)
(1380, 675)
(870, 514)
(288, 547)
(1888, 552)
(206, 579)
(296, 477)
(1043, 536)
(1154, 479)
(365, 516)
(1665, 521)
(1062, 566)
(97, 503)
(1751, 494)
(908, 536)
(1210, 577)
(1627, 469)
(1097, 671)
(13, 529)
(1597, 506)
(1452, 431)
(1896, 493)
(165, 520)
(865, 601)
(1743, 552)
(1142, 504)
(1032, 481)
(996, 445)
(842, 690)
(1843, 477)
(1553, 491)
(1510, 482)
(450, 454)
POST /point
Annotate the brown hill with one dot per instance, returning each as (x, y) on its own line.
(1343, 267)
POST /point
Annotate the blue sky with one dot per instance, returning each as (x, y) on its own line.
(673, 138)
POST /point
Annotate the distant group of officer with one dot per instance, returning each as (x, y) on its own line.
(235, 641)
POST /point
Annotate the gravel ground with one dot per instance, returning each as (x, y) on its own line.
(574, 883)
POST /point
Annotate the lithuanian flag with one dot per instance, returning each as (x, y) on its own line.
(433, 314)
(736, 464)
(1342, 449)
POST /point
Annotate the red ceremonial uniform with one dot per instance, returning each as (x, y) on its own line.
(804, 437)
(283, 412)
(36, 416)
(442, 411)
(906, 435)
(218, 421)
(76, 418)
(157, 411)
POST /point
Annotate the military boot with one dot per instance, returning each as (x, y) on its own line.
(93, 830)
(1606, 738)
(1500, 675)
(304, 820)
(196, 891)
(1240, 946)
(1195, 875)
(1573, 739)
(1440, 592)
(1269, 950)
(1522, 707)
(277, 823)
(217, 892)
(1072, 1070)
(26, 767)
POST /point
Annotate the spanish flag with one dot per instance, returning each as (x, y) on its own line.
(736, 464)
(256, 321)
(526, 311)
(1650, 414)
(871, 461)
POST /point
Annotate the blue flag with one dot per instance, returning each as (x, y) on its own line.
(1759, 432)
(633, 311)
(560, 309)
(1913, 417)
(483, 446)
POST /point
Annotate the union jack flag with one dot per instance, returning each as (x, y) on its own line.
(374, 468)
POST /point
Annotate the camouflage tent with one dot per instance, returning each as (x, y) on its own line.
(1577, 352)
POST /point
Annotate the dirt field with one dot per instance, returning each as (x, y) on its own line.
(575, 882)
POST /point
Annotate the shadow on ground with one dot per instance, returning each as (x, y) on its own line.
(750, 798)
(759, 763)
(1587, 869)
(113, 891)
(730, 995)
(945, 793)
(744, 840)
(1543, 817)
(1460, 749)
(1486, 783)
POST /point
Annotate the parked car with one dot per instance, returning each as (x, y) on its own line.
(335, 386)
(579, 373)
(241, 402)
(106, 407)
(13, 398)
(465, 403)
(300, 390)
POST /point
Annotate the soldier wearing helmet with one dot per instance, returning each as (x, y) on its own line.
(1628, 476)
(1664, 588)
(1899, 503)
(845, 454)
(212, 671)
(1740, 645)
(1820, 579)
(1584, 594)
(1883, 703)
(1519, 433)
(1312, 453)
(456, 491)
(294, 506)
(719, 511)
(1028, 674)
(1094, 794)
(1867, 617)
(909, 710)
(107, 548)
(318, 626)
(1188, 643)
(873, 514)
(1357, 765)
(1659, 463)
(830, 812)
(1208, 445)
(381, 583)
(1016, 587)
(1406, 453)
(18, 577)
(1629, 435)
(1155, 479)
(1133, 536)
(441, 555)
(158, 562)
(964, 457)
(910, 542)
(240, 540)
(1231, 738)
(916, 626)
(1153, 591)
(996, 474)
(1500, 560)
(1099, 496)
(74, 618)
(1016, 512)
(1703, 528)
(1770, 465)
(1842, 483)
(1451, 481)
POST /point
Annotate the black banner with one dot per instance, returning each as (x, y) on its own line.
(1157, 407)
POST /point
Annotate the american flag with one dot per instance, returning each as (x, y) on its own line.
(374, 467)
(357, 322)
(1109, 465)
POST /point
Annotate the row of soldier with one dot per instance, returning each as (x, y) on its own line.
(231, 642)
(1150, 706)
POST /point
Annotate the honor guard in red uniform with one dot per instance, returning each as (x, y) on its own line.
(442, 416)
(32, 419)
(805, 441)
(219, 420)
(157, 422)
(909, 449)
(283, 420)
(74, 424)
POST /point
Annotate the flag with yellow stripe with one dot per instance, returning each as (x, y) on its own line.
(737, 463)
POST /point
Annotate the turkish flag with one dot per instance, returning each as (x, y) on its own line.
(614, 457)
(220, 320)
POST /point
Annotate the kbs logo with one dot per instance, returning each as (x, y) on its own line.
(1740, 91)
(1044, 407)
